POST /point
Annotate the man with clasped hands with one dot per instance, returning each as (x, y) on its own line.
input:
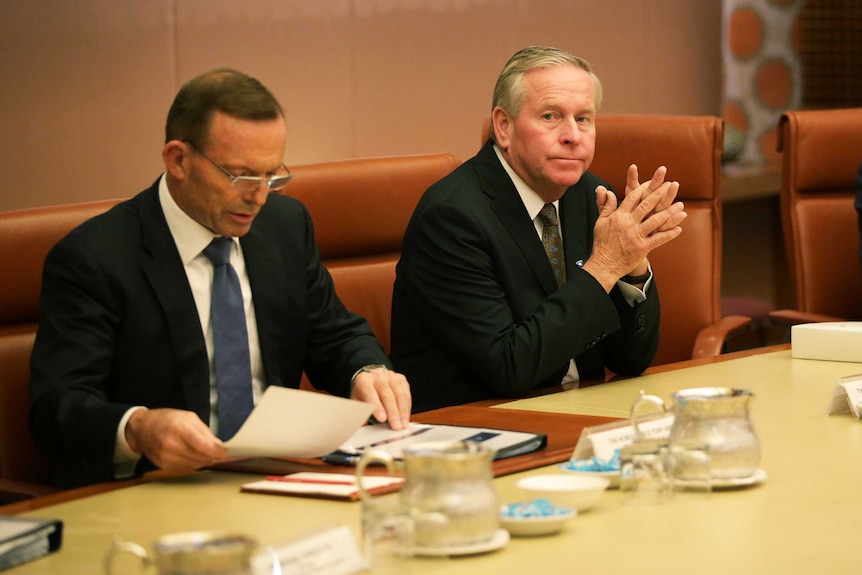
(122, 368)
(480, 309)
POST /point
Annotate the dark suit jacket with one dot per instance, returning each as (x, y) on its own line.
(476, 312)
(119, 327)
(858, 204)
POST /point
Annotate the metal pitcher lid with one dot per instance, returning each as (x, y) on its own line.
(696, 393)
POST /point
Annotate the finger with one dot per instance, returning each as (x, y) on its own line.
(203, 444)
(654, 199)
(672, 222)
(192, 449)
(669, 196)
(601, 197)
(368, 387)
(394, 396)
(608, 203)
(632, 181)
(661, 238)
(396, 399)
(403, 398)
(664, 220)
(179, 441)
(657, 179)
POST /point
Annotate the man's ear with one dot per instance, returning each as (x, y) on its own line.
(177, 158)
(501, 121)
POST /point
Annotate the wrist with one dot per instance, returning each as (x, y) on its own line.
(130, 435)
(363, 369)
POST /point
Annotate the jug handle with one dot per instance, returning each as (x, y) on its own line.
(120, 546)
(633, 414)
(369, 457)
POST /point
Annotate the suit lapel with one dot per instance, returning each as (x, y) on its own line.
(264, 268)
(507, 205)
(169, 282)
(577, 239)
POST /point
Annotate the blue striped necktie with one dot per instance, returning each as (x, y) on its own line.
(230, 339)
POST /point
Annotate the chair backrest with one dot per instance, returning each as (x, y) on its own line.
(26, 236)
(822, 150)
(19, 458)
(360, 209)
(688, 269)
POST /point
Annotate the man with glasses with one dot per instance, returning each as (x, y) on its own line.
(124, 377)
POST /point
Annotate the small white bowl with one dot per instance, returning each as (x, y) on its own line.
(580, 492)
(535, 525)
(612, 476)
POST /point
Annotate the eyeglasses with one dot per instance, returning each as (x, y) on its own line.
(247, 184)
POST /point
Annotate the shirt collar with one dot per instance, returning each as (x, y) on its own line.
(190, 237)
(531, 200)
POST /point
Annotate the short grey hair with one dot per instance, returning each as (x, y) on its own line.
(510, 93)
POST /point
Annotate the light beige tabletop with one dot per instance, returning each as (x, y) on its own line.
(805, 518)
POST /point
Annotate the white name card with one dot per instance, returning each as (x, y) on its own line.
(330, 551)
(847, 396)
(603, 440)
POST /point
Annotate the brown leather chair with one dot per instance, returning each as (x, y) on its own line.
(26, 236)
(688, 269)
(822, 150)
(360, 209)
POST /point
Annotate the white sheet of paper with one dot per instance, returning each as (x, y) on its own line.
(327, 551)
(603, 440)
(847, 396)
(379, 435)
(295, 423)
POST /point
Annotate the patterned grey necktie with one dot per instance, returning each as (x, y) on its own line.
(553, 242)
(230, 339)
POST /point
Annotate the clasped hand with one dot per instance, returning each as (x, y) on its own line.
(624, 235)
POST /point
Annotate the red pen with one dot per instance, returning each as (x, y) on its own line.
(289, 479)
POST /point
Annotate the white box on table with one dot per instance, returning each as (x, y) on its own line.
(833, 341)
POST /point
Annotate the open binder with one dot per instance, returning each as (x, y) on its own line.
(505, 443)
(561, 433)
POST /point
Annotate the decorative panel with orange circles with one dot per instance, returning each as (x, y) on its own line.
(762, 75)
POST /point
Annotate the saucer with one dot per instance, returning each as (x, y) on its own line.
(497, 541)
(612, 476)
(758, 476)
(536, 525)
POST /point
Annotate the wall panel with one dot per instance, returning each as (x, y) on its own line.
(86, 85)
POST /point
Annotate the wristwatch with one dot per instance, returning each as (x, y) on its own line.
(371, 367)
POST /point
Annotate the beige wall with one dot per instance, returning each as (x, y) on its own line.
(86, 84)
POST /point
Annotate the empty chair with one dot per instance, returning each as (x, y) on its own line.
(822, 151)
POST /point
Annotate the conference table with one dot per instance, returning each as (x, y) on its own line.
(804, 518)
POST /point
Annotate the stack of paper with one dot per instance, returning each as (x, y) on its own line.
(325, 485)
